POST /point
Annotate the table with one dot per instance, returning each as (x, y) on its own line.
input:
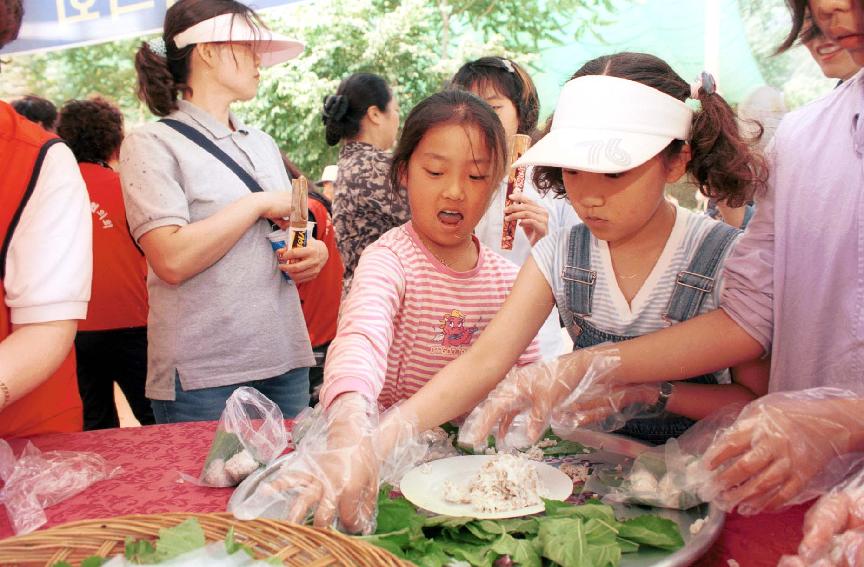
(152, 458)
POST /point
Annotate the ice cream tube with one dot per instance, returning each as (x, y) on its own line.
(515, 182)
(299, 212)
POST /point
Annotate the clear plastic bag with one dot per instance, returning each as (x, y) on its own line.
(784, 449)
(37, 480)
(518, 411)
(667, 476)
(333, 475)
(251, 434)
(834, 529)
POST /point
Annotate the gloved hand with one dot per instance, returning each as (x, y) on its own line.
(834, 528)
(521, 405)
(784, 449)
(604, 406)
(335, 470)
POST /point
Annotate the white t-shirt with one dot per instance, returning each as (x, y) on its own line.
(49, 266)
(610, 311)
(488, 231)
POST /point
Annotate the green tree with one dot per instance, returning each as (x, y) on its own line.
(106, 69)
(415, 44)
(795, 73)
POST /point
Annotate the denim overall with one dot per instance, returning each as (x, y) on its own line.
(691, 287)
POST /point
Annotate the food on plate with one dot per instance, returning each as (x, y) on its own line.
(578, 472)
(505, 482)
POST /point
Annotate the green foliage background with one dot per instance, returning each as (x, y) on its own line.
(415, 44)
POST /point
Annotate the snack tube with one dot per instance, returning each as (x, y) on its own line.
(251, 434)
(37, 480)
(299, 211)
(515, 183)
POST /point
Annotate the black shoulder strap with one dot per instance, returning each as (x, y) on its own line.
(207, 145)
(31, 185)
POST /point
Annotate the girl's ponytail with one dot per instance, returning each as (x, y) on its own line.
(156, 86)
(724, 163)
(163, 69)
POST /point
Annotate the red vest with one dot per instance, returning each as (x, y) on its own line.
(320, 297)
(54, 406)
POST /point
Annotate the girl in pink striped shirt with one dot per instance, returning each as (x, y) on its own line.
(425, 290)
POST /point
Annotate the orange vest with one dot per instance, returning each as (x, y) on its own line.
(54, 406)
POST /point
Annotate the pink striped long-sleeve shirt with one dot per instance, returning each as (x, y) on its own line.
(408, 315)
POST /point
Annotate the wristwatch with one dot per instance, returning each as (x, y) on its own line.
(665, 393)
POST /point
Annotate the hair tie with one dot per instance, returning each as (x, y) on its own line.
(706, 82)
(508, 65)
(157, 46)
(335, 108)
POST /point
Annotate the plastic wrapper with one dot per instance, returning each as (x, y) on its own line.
(251, 434)
(333, 475)
(599, 405)
(517, 412)
(834, 528)
(37, 480)
(784, 449)
(666, 476)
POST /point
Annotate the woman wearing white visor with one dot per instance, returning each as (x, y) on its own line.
(621, 132)
(200, 187)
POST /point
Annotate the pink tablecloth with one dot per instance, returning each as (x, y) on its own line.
(152, 457)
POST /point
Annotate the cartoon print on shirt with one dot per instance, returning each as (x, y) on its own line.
(454, 332)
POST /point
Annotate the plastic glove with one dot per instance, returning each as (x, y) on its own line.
(834, 528)
(604, 406)
(521, 405)
(334, 472)
(784, 449)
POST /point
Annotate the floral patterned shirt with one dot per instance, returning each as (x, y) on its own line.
(364, 206)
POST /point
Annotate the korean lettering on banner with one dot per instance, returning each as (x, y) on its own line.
(72, 11)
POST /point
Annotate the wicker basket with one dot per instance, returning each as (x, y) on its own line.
(294, 545)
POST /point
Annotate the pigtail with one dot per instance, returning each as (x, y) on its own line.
(156, 85)
(725, 164)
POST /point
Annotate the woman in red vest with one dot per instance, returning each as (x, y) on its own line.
(45, 270)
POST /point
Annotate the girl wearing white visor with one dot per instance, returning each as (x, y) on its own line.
(620, 134)
(200, 187)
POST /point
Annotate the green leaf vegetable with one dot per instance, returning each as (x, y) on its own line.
(171, 543)
(571, 536)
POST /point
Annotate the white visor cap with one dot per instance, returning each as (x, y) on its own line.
(608, 125)
(272, 47)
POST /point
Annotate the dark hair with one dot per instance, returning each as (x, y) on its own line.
(293, 171)
(444, 108)
(344, 110)
(507, 78)
(161, 79)
(37, 109)
(800, 11)
(92, 128)
(11, 14)
(723, 163)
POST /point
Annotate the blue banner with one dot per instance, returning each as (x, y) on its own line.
(58, 24)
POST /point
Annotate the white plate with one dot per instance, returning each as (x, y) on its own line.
(424, 486)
